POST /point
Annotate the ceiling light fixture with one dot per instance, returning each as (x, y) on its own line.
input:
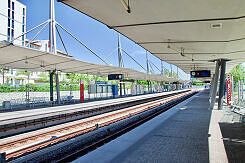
(169, 44)
(182, 52)
(26, 62)
(42, 65)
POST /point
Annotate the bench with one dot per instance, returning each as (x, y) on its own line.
(65, 99)
(239, 110)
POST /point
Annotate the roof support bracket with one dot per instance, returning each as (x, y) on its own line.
(126, 6)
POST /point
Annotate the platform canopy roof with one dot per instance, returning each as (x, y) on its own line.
(12, 56)
(204, 30)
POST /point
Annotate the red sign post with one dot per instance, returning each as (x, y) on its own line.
(81, 90)
(228, 80)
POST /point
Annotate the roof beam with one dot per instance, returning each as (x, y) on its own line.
(197, 41)
(178, 21)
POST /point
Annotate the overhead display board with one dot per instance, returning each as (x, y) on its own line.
(115, 77)
(200, 74)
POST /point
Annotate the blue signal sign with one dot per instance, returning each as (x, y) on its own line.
(115, 77)
(200, 74)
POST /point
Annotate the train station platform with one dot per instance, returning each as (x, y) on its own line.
(26, 120)
(188, 132)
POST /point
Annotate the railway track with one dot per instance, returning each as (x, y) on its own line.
(22, 144)
(24, 122)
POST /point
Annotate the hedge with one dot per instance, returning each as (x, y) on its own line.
(38, 88)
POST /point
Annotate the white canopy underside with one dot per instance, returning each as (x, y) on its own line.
(12, 56)
(155, 24)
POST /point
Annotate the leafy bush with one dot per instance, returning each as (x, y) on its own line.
(39, 88)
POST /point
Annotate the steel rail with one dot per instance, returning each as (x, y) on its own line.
(125, 113)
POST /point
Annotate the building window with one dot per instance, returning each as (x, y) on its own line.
(12, 33)
(9, 13)
(24, 13)
(8, 31)
(23, 20)
(8, 22)
(23, 28)
(23, 40)
(12, 14)
(12, 23)
(9, 2)
(12, 5)
(8, 34)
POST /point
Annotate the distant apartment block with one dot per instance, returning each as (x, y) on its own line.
(13, 21)
(43, 45)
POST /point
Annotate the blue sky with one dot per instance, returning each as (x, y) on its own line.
(95, 35)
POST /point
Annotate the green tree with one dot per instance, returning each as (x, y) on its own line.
(44, 77)
(168, 73)
(142, 82)
(196, 82)
(238, 73)
(73, 77)
(22, 72)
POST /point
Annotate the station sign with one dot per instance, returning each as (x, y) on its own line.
(228, 80)
(101, 82)
(115, 77)
(200, 74)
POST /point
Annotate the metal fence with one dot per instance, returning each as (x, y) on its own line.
(31, 95)
(238, 94)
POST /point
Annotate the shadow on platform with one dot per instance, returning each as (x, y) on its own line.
(234, 141)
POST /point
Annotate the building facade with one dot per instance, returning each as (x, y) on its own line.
(12, 25)
(13, 21)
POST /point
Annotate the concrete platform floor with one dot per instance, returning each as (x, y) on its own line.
(189, 132)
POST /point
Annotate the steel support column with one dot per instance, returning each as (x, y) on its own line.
(124, 89)
(222, 83)
(120, 60)
(51, 84)
(148, 83)
(215, 85)
(52, 32)
(211, 86)
(151, 86)
(120, 88)
(57, 87)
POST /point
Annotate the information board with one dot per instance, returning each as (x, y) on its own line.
(200, 74)
(115, 77)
